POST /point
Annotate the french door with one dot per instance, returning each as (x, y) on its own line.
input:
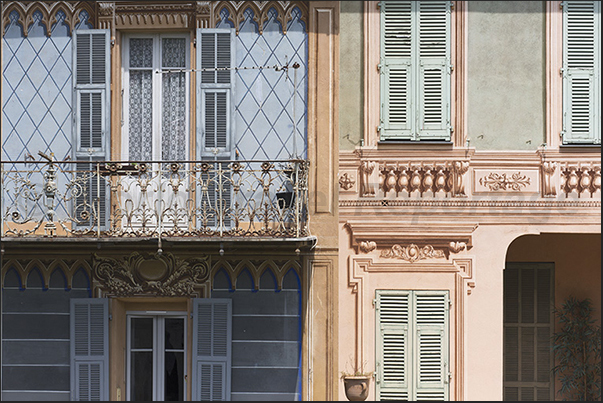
(155, 126)
(156, 357)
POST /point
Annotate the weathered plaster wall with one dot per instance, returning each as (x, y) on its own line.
(351, 75)
(506, 86)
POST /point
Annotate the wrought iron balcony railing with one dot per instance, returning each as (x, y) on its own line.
(155, 198)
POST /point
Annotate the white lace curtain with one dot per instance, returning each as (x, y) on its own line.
(143, 95)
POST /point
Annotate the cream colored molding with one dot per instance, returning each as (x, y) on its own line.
(360, 269)
(427, 174)
(106, 16)
(446, 237)
(236, 12)
(203, 17)
(372, 81)
(48, 9)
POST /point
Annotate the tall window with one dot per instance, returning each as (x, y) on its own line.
(412, 345)
(581, 72)
(528, 327)
(156, 97)
(415, 68)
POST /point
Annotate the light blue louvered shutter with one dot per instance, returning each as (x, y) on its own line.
(91, 113)
(397, 101)
(581, 72)
(431, 345)
(214, 92)
(433, 34)
(392, 372)
(89, 324)
(91, 83)
(212, 338)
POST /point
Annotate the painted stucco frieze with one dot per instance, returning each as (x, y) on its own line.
(159, 274)
(412, 252)
(22, 13)
(501, 181)
(346, 181)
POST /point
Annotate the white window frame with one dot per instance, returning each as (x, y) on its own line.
(158, 350)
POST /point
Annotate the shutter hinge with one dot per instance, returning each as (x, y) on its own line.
(195, 42)
(379, 67)
(379, 4)
(374, 301)
(561, 133)
(561, 71)
(452, 5)
(449, 303)
(191, 315)
(561, 5)
(110, 317)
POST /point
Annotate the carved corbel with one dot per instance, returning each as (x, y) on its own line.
(459, 168)
(203, 14)
(367, 246)
(106, 16)
(548, 172)
(367, 178)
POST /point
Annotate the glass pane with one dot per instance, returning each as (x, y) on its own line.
(174, 333)
(142, 333)
(174, 52)
(141, 376)
(174, 376)
(173, 147)
(141, 115)
(141, 52)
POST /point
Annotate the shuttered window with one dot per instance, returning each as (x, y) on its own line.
(528, 327)
(89, 349)
(91, 81)
(214, 128)
(412, 345)
(212, 337)
(415, 70)
(581, 72)
(215, 81)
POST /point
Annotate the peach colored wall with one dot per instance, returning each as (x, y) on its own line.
(577, 259)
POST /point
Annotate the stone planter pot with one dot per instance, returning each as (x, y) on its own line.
(356, 387)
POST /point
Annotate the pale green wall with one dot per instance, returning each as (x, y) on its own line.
(351, 77)
(506, 76)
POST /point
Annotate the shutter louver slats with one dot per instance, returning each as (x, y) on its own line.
(89, 349)
(415, 73)
(412, 338)
(527, 331)
(223, 57)
(212, 337)
(581, 63)
(83, 59)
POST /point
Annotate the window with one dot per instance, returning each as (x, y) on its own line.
(156, 357)
(415, 70)
(581, 72)
(412, 345)
(156, 97)
(528, 327)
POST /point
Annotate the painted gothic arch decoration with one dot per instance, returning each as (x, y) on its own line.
(183, 14)
(23, 13)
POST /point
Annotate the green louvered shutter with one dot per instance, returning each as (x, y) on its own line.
(431, 345)
(91, 114)
(397, 101)
(89, 329)
(412, 345)
(393, 376)
(581, 72)
(415, 70)
(212, 338)
(433, 20)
